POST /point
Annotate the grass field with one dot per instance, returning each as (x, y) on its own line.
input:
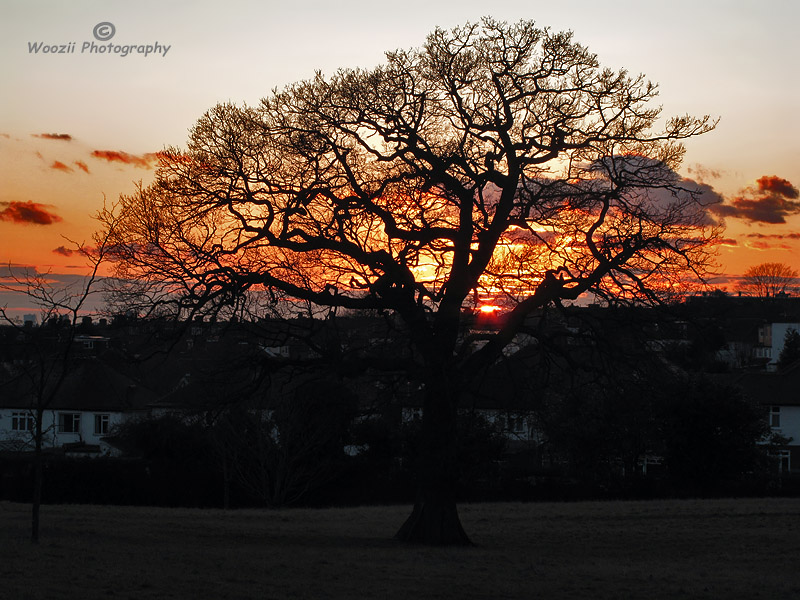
(659, 549)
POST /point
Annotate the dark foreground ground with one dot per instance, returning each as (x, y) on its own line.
(659, 549)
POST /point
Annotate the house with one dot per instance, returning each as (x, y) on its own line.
(256, 364)
(780, 392)
(771, 337)
(149, 369)
(94, 397)
(751, 329)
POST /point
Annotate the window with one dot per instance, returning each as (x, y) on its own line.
(785, 461)
(412, 414)
(775, 416)
(69, 422)
(515, 424)
(22, 421)
(100, 424)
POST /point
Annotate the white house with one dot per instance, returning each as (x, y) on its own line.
(93, 398)
(69, 428)
(780, 393)
(770, 342)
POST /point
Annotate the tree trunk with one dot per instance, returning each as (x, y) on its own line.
(434, 519)
(226, 482)
(38, 476)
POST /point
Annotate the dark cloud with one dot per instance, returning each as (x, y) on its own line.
(63, 251)
(59, 166)
(771, 209)
(82, 166)
(526, 236)
(665, 189)
(728, 242)
(27, 212)
(633, 169)
(699, 212)
(705, 194)
(64, 137)
(770, 202)
(144, 161)
(75, 251)
(774, 236)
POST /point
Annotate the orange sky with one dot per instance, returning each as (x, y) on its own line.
(78, 129)
(54, 181)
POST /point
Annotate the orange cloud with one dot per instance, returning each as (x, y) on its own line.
(144, 161)
(767, 246)
(28, 212)
(61, 166)
(65, 137)
(82, 166)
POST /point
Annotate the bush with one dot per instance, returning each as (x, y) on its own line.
(712, 436)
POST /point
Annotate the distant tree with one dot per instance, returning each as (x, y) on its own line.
(768, 279)
(791, 349)
(498, 161)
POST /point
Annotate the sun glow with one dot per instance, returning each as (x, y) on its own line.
(489, 309)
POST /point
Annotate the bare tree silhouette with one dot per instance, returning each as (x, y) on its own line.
(768, 279)
(498, 162)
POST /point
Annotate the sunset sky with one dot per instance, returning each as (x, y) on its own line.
(80, 127)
